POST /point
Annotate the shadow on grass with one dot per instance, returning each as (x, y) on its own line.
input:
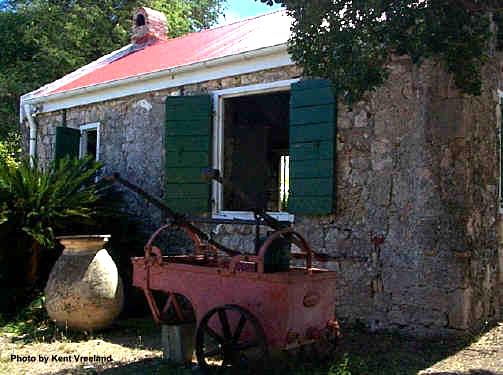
(380, 354)
(133, 333)
(360, 353)
(145, 366)
(390, 353)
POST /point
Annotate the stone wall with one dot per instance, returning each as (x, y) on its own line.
(468, 163)
(417, 163)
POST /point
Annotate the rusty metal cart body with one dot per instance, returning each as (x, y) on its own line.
(285, 309)
(237, 303)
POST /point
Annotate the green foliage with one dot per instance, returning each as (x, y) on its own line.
(34, 203)
(341, 368)
(350, 42)
(44, 39)
(37, 204)
(32, 324)
(186, 16)
(10, 149)
(31, 320)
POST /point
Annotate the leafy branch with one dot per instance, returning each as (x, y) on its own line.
(351, 42)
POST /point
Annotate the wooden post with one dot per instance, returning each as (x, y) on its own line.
(178, 342)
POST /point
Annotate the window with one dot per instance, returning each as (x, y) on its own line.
(140, 20)
(90, 140)
(256, 150)
(274, 141)
(251, 149)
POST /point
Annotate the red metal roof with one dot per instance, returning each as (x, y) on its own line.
(242, 36)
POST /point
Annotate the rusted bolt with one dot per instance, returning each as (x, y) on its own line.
(311, 299)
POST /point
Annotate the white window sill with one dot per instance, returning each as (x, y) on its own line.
(248, 215)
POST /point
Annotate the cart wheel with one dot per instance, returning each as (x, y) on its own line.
(230, 338)
(172, 307)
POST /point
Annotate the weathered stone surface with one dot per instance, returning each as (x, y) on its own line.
(416, 162)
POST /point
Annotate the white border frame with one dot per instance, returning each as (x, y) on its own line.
(218, 97)
(83, 138)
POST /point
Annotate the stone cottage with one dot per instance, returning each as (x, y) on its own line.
(403, 191)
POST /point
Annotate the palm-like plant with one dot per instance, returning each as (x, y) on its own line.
(36, 203)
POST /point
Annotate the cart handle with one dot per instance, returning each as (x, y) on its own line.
(149, 249)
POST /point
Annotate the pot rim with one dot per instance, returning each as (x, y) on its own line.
(105, 237)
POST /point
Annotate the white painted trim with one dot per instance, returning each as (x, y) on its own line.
(83, 138)
(218, 143)
(32, 141)
(258, 88)
(248, 215)
(217, 148)
(73, 75)
(261, 59)
(91, 125)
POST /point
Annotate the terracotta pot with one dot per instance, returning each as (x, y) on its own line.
(84, 290)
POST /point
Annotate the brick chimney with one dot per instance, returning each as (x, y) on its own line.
(149, 26)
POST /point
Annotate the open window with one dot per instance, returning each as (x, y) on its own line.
(256, 155)
(77, 143)
(90, 140)
(251, 148)
(274, 141)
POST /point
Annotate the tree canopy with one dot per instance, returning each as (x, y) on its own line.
(350, 42)
(44, 39)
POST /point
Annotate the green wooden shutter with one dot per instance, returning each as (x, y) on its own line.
(188, 146)
(67, 143)
(313, 114)
(501, 152)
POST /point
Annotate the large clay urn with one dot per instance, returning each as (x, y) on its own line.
(84, 290)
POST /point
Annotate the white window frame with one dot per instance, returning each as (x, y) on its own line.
(83, 138)
(217, 197)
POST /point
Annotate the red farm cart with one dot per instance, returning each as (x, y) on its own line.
(245, 306)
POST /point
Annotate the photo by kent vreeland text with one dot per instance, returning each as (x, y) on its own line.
(72, 358)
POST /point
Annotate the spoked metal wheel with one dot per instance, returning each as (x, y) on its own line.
(230, 339)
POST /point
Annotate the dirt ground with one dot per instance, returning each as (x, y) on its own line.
(134, 347)
(483, 357)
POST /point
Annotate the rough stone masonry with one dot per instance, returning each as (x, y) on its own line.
(417, 162)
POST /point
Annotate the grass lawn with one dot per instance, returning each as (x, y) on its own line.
(135, 348)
